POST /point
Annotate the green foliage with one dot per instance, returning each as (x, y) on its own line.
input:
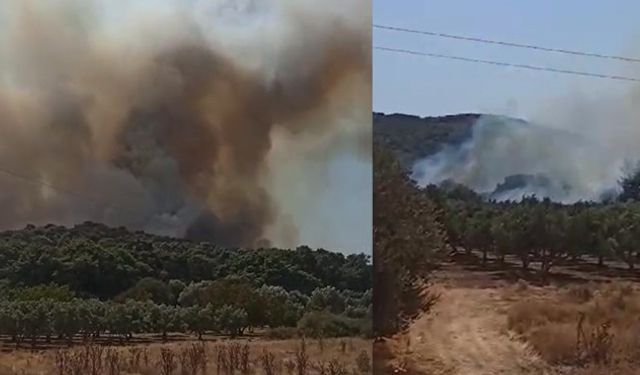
(217, 312)
(320, 324)
(148, 289)
(411, 138)
(38, 292)
(408, 239)
(543, 231)
(327, 299)
(232, 320)
(94, 260)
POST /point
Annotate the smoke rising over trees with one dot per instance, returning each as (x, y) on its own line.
(144, 117)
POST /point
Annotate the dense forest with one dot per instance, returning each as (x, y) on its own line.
(90, 279)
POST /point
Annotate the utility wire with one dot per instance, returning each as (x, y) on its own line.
(508, 44)
(506, 64)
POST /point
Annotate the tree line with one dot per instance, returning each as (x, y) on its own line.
(229, 306)
(539, 230)
(97, 261)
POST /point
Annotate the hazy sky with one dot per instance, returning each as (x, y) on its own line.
(426, 86)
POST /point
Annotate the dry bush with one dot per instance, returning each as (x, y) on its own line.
(167, 363)
(321, 367)
(594, 345)
(626, 346)
(224, 360)
(289, 366)
(555, 342)
(112, 361)
(302, 358)
(580, 293)
(337, 368)
(193, 358)
(268, 361)
(529, 313)
(583, 325)
(363, 362)
(245, 360)
(134, 359)
(290, 357)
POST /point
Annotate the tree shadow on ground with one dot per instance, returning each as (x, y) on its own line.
(580, 272)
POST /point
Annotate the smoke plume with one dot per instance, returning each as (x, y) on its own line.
(576, 148)
(165, 118)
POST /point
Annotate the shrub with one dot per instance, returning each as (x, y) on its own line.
(556, 342)
(324, 324)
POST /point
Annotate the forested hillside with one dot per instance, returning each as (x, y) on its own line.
(411, 137)
(89, 279)
(97, 261)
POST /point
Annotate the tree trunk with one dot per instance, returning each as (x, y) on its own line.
(484, 257)
(600, 261)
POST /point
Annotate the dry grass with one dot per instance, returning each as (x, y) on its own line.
(486, 325)
(586, 325)
(226, 357)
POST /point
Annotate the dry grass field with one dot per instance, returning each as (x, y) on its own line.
(224, 357)
(484, 323)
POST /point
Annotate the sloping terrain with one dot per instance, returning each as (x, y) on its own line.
(411, 137)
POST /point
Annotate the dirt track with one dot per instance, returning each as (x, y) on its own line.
(466, 334)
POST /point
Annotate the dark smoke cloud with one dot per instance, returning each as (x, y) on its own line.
(170, 134)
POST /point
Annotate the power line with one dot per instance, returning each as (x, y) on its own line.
(508, 44)
(506, 64)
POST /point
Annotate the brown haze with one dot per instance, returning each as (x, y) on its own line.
(156, 127)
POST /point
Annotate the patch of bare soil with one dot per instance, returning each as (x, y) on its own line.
(465, 333)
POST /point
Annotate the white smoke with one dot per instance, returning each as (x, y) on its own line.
(577, 150)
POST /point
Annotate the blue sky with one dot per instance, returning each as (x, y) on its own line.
(425, 86)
